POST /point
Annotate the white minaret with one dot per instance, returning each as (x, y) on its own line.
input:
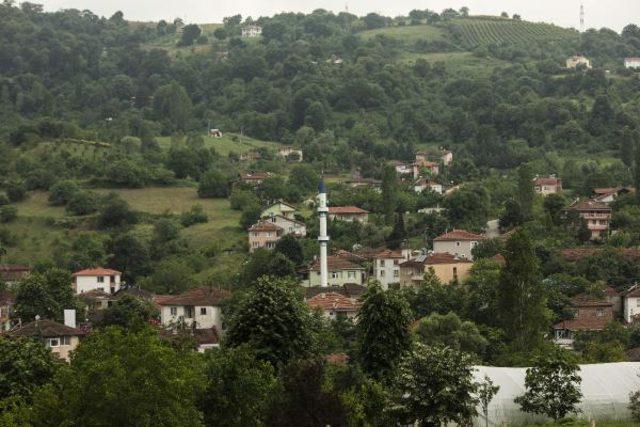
(323, 211)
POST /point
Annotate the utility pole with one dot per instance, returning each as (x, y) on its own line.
(582, 17)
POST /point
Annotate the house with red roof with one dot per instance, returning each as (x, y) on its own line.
(632, 63)
(60, 339)
(199, 308)
(457, 242)
(264, 234)
(334, 305)
(631, 304)
(447, 268)
(596, 214)
(13, 273)
(97, 279)
(254, 178)
(547, 185)
(341, 272)
(348, 213)
(591, 314)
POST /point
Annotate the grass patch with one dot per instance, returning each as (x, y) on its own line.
(36, 206)
(407, 34)
(230, 142)
(456, 62)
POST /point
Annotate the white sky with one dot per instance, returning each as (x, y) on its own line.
(613, 14)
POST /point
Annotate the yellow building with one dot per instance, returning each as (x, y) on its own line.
(446, 267)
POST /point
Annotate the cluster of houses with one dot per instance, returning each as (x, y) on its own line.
(573, 62)
(422, 172)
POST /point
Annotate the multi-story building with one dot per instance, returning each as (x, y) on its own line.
(386, 266)
(348, 213)
(457, 242)
(199, 308)
(596, 214)
(340, 272)
(446, 267)
(334, 305)
(591, 314)
(97, 279)
(547, 185)
(632, 63)
(264, 234)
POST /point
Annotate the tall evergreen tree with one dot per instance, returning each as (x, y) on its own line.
(525, 194)
(636, 171)
(521, 297)
(389, 194)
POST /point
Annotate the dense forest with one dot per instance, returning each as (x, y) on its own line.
(107, 159)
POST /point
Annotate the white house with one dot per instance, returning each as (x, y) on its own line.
(547, 185)
(457, 242)
(252, 31)
(386, 268)
(101, 279)
(348, 214)
(291, 154)
(577, 60)
(280, 208)
(341, 272)
(633, 63)
(288, 225)
(631, 304)
(425, 184)
(334, 305)
(200, 306)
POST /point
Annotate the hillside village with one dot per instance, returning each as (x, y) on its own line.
(318, 219)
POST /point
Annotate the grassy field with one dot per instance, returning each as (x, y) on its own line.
(457, 62)
(406, 34)
(226, 144)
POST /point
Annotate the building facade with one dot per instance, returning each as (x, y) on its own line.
(334, 305)
(632, 63)
(386, 266)
(591, 314)
(264, 234)
(457, 242)
(97, 279)
(348, 214)
(576, 61)
(597, 216)
(199, 308)
(547, 185)
(341, 272)
(447, 268)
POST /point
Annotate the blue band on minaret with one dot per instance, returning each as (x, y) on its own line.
(321, 187)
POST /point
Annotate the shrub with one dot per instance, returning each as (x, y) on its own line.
(213, 184)
(61, 192)
(82, 203)
(4, 200)
(15, 191)
(8, 213)
(194, 216)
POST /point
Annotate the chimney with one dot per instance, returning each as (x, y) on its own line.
(70, 318)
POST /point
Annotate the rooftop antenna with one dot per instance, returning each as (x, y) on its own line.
(581, 17)
(346, 7)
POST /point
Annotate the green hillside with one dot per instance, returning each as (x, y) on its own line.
(407, 34)
(478, 31)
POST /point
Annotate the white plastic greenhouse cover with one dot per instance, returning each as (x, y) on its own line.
(605, 389)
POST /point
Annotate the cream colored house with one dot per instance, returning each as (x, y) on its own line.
(443, 156)
(199, 306)
(96, 279)
(264, 234)
(457, 242)
(289, 226)
(291, 154)
(60, 339)
(446, 267)
(348, 213)
(547, 185)
(597, 216)
(281, 208)
(427, 185)
(386, 266)
(251, 31)
(632, 63)
(341, 272)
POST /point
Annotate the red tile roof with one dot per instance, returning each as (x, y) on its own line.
(590, 205)
(445, 258)
(586, 300)
(632, 292)
(389, 254)
(96, 272)
(204, 296)
(591, 323)
(46, 329)
(458, 235)
(336, 263)
(347, 210)
(264, 226)
(333, 301)
(575, 254)
(337, 358)
(546, 181)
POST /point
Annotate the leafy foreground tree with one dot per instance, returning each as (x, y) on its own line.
(118, 378)
(450, 330)
(128, 313)
(634, 405)
(25, 364)
(383, 330)
(553, 386)
(239, 388)
(45, 295)
(486, 392)
(434, 386)
(274, 322)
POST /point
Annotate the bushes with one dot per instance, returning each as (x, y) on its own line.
(8, 213)
(194, 216)
(15, 192)
(214, 184)
(82, 203)
(61, 192)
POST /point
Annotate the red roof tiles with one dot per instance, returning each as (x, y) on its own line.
(389, 254)
(201, 297)
(264, 226)
(458, 235)
(335, 263)
(575, 254)
(590, 205)
(333, 301)
(46, 329)
(347, 210)
(546, 181)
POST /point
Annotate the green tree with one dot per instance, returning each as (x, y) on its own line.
(82, 203)
(144, 378)
(305, 177)
(240, 198)
(128, 254)
(170, 276)
(213, 184)
(383, 330)
(521, 298)
(512, 216)
(60, 193)
(8, 213)
(525, 195)
(434, 386)
(190, 34)
(289, 335)
(46, 295)
(290, 247)
(115, 213)
(26, 364)
(636, 170)
(15, 191)
(554, 206)
(553, 386)
(239, 388)
(128, 312)
(486, 392)
(449, 330)
(250, 215)
(389, 194)
(172, 104)
(263, 262)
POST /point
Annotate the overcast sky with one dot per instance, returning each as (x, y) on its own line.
(614, 14)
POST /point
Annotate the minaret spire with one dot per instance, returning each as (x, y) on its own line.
(323, 238)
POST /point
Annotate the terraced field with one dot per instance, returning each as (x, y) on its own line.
(483, 31)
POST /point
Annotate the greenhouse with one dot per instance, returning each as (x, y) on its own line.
(605, 389)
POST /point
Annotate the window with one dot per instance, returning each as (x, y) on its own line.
(382, 273)
(637, 302)
(100, 279)
(455, 272)
(396, 262)
(457, 243)
(563, 334)
(396, 273)
(203, 311)
(334, 274)
(188, 312)
(600, 312)
(271, 245)
(66, 340)
(173, 311)
(53, 342)
(351, 274)
(112, 279)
